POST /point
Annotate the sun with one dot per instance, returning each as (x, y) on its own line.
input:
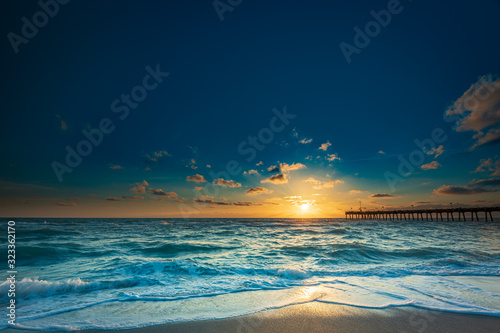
(305, 207)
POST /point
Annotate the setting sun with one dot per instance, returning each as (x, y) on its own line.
(305, 207)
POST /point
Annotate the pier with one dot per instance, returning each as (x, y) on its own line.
(445, 214)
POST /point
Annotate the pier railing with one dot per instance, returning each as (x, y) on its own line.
(425, 214)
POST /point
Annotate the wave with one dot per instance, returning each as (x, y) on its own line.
(47, 231)
(175, 267)
(33, 287)
(173, 249)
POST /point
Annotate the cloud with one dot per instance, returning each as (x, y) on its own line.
(196, 178)
(430, 166)
(478, 110)
(192, 164)
(355, 191)
(286, 168)
(276, 179)
(459, 190)
(331, 183)
(155, 156)
(319, 184)
(169, 195)
(143, 183)
(65, 204)
(206, 199)
(435, 151)
(225, 183)
(486, 182)
(480, 201)
(199, 188)
(295, 133)
(246, 203)
(251, 172)
(115, 167)
(115, 198)
(257, 191)
(209, 166)
(332, 157)
(260, 163)
(313, 180)
(488, 165)
(64, 126)
(273, 168)
(136, 197)
(209, 200)
(138, 189)
(381, 152)
(382, 195)
(305, 141)
(324, 146)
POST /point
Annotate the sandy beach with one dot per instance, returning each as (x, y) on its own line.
(320, 317)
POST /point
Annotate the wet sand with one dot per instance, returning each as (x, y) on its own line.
(322, 317)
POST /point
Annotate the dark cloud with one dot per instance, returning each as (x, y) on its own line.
(276, 179)
(486, 182)
(65, 204)
(115, 198)
(459, 190)
(169, 195)
(381, 195)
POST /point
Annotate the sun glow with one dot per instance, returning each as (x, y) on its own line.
(305, 207)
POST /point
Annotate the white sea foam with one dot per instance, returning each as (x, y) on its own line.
(186, 270)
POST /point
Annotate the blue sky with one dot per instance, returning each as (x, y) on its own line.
(224, 80)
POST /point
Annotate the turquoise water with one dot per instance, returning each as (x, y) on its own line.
(124, 273)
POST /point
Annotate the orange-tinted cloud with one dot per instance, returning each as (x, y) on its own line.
(196, 178)
(257, 191)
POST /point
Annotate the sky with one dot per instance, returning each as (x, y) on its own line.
(225, 108)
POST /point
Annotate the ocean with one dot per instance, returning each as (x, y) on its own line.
(76, 274)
